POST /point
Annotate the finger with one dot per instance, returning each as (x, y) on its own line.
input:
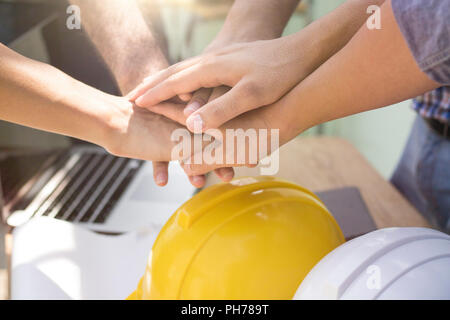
(197, 170)
(188, 80)
(218, 91)
(200, 169)
(177, 67)
(161, 173)
(199, 99)
(185, 97)
(218, 111)
(225, 174)
(173, 111)
(160, 76)
(198, 181)
(200, 162)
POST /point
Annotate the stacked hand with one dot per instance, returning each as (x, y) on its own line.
(246, 21)
(258, 79)
(259, 73)
(227, 82)
(238, 83)
(133, 124)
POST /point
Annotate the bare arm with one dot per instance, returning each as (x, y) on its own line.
(375, 69)
(123, 38)
(129, 46)
(40, 96)
(37, 95)
(250, 20)
(260, 72)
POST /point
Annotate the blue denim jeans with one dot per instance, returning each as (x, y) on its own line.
(423, 174)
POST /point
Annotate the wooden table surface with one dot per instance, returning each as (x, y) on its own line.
(323, 163)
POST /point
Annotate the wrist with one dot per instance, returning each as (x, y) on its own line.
(110, 123)
(240, 29)
(92, 115)
(230, 35)
(137, 69)
(250, 21)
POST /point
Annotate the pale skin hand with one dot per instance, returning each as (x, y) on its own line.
(260, 73)
(376, 69)
(141, 56)
(39, 96)
(248, 20)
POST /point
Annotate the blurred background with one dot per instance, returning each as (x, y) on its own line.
(36, 28)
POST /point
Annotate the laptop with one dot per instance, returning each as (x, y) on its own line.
(87, 186)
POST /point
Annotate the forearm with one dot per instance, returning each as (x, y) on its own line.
(37, 95)
(326, 36)
(123, 38)
(250, 20)
(375, 69)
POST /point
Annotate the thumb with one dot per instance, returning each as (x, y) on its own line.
(217, 112)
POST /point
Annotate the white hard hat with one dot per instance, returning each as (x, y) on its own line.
(395, 263)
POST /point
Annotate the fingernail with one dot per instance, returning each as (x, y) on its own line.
(186, 97)
(161, 178)
(132, 95)
(198, 180)
(191, 108)
(228, 175)
(195, 123)
(139, 101)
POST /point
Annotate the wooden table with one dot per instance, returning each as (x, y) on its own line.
(323, 163)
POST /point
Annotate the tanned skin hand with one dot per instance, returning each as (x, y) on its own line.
(375, 61)
(260, 73)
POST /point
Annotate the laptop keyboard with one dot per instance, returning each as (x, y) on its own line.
(81, 187)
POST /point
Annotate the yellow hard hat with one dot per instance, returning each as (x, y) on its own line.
(253, 238)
